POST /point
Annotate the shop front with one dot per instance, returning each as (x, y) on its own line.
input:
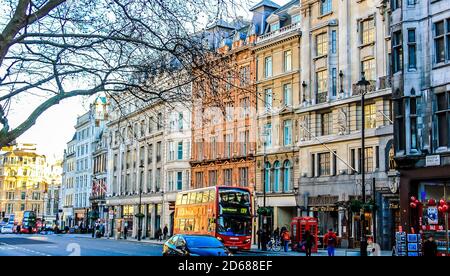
(128, 218)
(425, 204)
(325, 209)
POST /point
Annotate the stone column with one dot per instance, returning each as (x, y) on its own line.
(144, 222)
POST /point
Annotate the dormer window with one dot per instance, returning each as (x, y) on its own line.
(296, 18)
(274, 26)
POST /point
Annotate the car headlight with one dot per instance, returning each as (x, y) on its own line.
(220, 239)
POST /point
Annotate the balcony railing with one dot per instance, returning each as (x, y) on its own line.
(370, 88)
(279, 32)
(322, 97)
(385, 82)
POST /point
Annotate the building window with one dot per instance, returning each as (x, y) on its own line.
(287, 61)
(370, 116)
(296, 18)
(212, 178)
(268, 67)
(245, 75)
(326, 123)
(228, 145)
(322, 86)
(368, 31)
(244, 140)
(180, 121)
(199, 149)
(334, 81)
(321, 44)
(368, 160)
(159, 121)
(413, 121)
(243, 177)
(276, 176)
(199, 180)
(158, 151)
(287, 132)
(441, 37)
(400, 124)
(368, 67)
(287, 94)
(287, 176)
(325, 6)
(333, 41)
(227, 177)
(22, 195)
(158, 179)
(180, 151)
(397, 51)
(412, 49)
(229, 111)
(443, 118)
(213, 147)
(170, 181)
(268, 99)
(268, 134)
(324, 164)
(274, 26)
(245, 105)
(179, 181)
(396, 4)
(267, 176)
(150, 154)
(171, 151)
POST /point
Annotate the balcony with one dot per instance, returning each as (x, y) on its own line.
(322, 97)
(370, 88)
(385, 82)
(280, 32)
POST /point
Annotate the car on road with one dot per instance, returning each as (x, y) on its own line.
(194, 245)
(7, 229)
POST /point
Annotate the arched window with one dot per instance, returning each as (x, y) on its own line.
(287, 176)
(267, 177)
(276, 176)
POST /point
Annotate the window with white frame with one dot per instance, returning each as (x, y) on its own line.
(287, 61)
(368, 31)
(325, 6)
(368, 67)
(268, 99)
(268, 67)
(287, 94)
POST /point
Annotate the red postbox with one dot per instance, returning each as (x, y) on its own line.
(298, 227)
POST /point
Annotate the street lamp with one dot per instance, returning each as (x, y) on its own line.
(362, 86)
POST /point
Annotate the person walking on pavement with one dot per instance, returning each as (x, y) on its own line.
(258, 234)
(429, 247)
(165, 231)
(308, 242)
(264, 239)
(330, 239)
(125, 231)
(276, 233)
(285, 238)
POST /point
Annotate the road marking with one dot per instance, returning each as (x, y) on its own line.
(25, 249)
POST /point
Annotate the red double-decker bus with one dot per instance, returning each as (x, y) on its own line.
(220, 211)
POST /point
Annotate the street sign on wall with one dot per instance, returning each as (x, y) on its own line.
(433, 160)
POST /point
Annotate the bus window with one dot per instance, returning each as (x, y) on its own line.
(212, 195)
(182, 224)
(192, 198)
(199, 197)
(179, 196)
(196, 225)
(205, 196)
(184, 199)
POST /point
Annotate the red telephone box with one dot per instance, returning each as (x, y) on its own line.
(298, 227)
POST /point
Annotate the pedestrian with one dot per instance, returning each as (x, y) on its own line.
(308, 242)
(165, 231)
(125, 230)
(258, 234)
(373, 249)
(285, 237)
(330, 239)
(97, 230)
(276, 233)
(264, 239)
(429, 247)
(160, 234)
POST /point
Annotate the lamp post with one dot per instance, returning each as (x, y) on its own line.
(140, 203)
(362, 86)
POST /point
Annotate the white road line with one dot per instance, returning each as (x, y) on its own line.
(25, 249)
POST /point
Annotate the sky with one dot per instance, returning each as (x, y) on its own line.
(55, 127)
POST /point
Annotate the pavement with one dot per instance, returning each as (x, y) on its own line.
(85, 245)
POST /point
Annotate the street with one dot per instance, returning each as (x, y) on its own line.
(81, 245)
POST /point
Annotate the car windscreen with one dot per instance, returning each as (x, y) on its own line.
(202, 242)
